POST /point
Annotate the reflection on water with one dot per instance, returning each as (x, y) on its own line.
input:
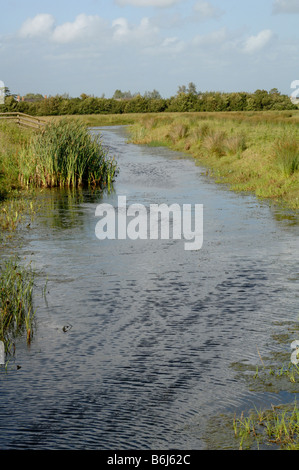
(152, 330)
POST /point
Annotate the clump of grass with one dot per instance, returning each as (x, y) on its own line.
(215, 143)
(235, 144)
(16, 300)
(178, 131)
(286, 153)
(65, 155)
(279, 426)
(200, 132)
(204, 130)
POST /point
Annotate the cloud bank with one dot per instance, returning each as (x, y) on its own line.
(194, 41)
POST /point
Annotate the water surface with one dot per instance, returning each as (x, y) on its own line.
(151, 329)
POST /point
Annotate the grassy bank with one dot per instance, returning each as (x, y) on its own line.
(99, 120)
(252, 152)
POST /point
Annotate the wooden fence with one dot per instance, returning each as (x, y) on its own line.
(24, 119)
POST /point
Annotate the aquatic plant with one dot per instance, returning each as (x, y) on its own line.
(16, 300)
(65, 154)
(278, 426)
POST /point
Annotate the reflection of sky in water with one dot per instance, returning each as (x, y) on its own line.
(154, 327)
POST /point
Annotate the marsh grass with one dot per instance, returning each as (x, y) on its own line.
(64, 154)
(16, 301)
(215, 143)
(286, 153)
(235, 145)
(12, 140)
(238, 149)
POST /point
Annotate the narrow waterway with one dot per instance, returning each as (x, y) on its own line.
(134, 344)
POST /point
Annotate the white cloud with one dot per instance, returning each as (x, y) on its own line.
(206, 10)
(121, 28)
(83, 27)
(215, 38)
(286, 6)
(41, 25)
(255, 43)
(148, 3)
(172, 46)
(143, 34)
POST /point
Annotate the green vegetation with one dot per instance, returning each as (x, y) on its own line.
(279, 426)
(62, 154)
(12, 140)
(253, 152)
(65, 154)
(187, 99)
(16, 301)
(287, 155)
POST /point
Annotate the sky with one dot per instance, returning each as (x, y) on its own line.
(99, 46)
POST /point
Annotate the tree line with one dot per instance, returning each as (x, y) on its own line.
(187, 99)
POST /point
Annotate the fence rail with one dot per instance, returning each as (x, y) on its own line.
(24, 119)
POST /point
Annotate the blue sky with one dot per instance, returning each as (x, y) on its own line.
(98, 46)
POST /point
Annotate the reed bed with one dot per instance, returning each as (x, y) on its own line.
(64, 154)
(16, 301)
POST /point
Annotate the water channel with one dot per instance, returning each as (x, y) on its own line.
(134, 344)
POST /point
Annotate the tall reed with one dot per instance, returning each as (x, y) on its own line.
(65, 154)
(16, 300)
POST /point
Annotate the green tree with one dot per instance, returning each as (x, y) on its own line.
(152, 95)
